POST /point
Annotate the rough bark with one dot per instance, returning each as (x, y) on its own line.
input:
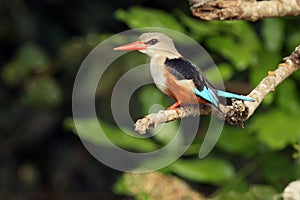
(241, 9)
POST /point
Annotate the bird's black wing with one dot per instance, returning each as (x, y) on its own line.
(184, 69)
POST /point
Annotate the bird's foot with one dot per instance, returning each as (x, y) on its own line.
(175, 105)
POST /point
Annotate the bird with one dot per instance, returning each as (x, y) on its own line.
(175, 75)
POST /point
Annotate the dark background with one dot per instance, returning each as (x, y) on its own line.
(42, 44)
(38, 158)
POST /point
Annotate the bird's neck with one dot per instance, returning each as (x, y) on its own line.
(159, 59)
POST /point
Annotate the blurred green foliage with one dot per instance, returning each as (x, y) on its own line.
(261, 153)
(209, 170)
(255, 192)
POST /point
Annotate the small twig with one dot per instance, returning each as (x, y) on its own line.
(239, 111)
(250, 10)
(274, 78)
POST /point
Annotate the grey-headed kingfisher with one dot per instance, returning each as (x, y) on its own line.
(176, 76)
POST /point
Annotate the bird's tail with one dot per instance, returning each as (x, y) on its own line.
(234, 96)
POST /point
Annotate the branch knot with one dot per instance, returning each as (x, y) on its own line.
(295, 56)
(238, 113)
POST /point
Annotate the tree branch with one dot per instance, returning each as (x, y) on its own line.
(251, 10)
(239, 111)
(155, 185)
(292, 191)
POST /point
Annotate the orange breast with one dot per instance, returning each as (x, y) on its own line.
(182, 90)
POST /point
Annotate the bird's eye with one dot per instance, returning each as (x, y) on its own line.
(152, 41)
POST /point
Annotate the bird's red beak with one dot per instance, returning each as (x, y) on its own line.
(138, 45)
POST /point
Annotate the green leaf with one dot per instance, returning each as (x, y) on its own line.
(276, 136)
(278, 170)
(151, 99)
(292, 40)
(237, 141)
(232, 195)
(222, 73)
(121, 187)
(43, 91)
(244, 30)
(273, 33)
(266, 61)
(288, 98)
(256, 192)
(229, 48)
(235, 41)
(137, 17)
(226, 70)
(89, 130)
(167, 132)
(268, 99)
(198, 29)
(29, 58)
(262, 192)
(208, 170)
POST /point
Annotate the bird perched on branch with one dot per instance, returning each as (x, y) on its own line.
(176, 76)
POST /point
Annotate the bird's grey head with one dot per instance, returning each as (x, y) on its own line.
(158, 44)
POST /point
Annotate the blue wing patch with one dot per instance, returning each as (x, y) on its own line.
(208, 95)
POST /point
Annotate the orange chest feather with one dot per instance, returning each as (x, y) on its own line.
(181, 90)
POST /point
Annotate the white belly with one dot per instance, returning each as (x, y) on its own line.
(157, 72)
